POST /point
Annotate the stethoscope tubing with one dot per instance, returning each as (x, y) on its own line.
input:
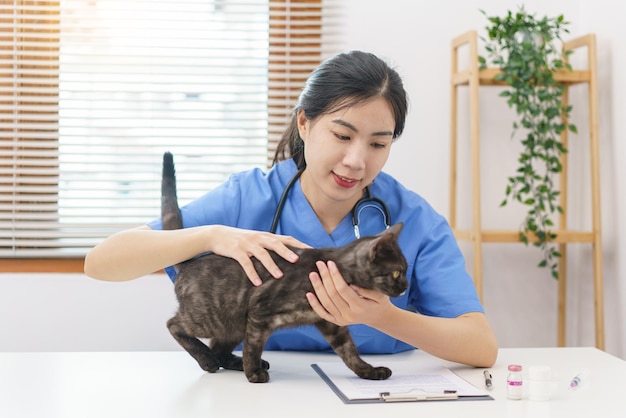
(355, 213)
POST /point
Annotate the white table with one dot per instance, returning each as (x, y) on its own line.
(170, 384)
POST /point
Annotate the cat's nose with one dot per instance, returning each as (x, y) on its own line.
(403, 287)
(400, 290)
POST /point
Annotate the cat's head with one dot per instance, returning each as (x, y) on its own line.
(379, 263)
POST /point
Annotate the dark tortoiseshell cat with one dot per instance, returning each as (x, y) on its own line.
(218, 302)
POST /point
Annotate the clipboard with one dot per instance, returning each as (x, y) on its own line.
(404, 388)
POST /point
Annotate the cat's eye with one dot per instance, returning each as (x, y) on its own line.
(395, 274)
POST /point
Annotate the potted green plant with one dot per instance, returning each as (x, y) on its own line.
(527, 50)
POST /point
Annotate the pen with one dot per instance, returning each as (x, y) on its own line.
(488, 383)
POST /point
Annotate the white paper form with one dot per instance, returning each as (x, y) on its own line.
(406, 378)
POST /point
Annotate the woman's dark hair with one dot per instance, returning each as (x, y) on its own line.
(343, 80)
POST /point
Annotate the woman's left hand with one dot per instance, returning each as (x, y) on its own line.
(466, 339)
(340, 303)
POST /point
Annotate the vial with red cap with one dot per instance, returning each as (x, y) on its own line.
(514, 388)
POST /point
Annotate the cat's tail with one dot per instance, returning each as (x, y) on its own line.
(170, 212)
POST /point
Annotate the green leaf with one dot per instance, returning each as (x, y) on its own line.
(523, 238)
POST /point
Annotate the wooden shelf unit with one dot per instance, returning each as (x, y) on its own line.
(473, 77)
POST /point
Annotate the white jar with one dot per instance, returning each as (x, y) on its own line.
(539, 383)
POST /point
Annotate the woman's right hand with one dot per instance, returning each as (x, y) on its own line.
(133, 253)
(243, 244)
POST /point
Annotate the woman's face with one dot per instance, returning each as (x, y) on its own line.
(344, 152)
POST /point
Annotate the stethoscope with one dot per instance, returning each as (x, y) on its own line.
(367, 201)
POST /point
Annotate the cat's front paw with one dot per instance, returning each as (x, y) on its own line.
(258, 376)
(376, 373)
(209, 364)
(232, 362)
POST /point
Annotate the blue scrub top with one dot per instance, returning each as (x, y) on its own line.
(438, 282)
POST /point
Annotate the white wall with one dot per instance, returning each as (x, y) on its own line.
(520, 299)
(71, 312)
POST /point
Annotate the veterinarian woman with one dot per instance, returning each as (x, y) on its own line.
(349, 113)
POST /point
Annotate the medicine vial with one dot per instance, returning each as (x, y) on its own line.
(514, 388)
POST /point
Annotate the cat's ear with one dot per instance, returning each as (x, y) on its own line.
(384, 238)
(377, 244)
(394, 229)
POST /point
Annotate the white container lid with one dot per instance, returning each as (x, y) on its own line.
(539, 373)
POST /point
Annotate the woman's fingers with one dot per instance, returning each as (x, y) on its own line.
(248, 268)
(245, 244)
(319, 300)
(278, 244)
(332, 293)
(340, 303)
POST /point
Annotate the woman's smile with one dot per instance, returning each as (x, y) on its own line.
(344, 181)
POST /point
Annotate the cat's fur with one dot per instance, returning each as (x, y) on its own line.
(218, 302)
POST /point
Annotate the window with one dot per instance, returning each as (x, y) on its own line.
(92, 92)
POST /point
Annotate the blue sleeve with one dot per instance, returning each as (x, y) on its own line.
(245, 200)
(442, 285)
(439, 283)
(221, 205)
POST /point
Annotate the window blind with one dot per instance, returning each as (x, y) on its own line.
(92, 92)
